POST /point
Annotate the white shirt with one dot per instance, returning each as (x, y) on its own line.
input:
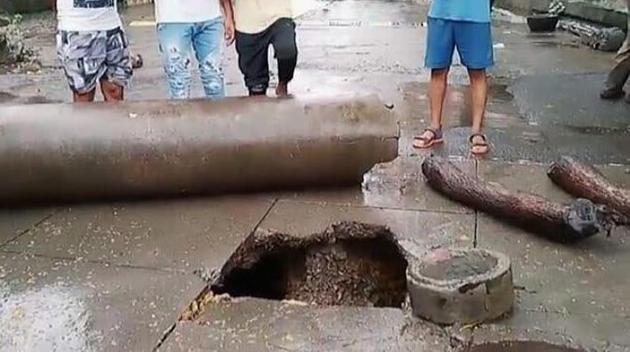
(186, 11)
(87, 15)
(254, 16)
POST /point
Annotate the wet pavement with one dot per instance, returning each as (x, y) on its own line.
(116, 276)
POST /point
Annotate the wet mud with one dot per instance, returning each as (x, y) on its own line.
(350, 264)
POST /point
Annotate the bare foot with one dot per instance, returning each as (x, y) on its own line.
(282, 90)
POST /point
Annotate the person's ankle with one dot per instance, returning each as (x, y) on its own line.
(436, 126)
(258, 90)
(282, 90)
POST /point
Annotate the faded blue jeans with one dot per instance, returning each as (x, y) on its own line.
(177, 43)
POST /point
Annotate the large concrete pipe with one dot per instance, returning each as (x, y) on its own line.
(65, 152)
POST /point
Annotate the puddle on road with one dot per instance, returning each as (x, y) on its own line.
(350, 264)
(36, 320)
(521, 346)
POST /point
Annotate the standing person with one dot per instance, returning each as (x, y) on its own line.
(187, 26)
(464, 25)
(93, 48)
(259, 24)
(618, 76)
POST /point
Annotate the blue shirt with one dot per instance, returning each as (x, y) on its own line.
(461, 10)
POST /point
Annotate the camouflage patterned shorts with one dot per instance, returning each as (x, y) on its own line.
(89, 57)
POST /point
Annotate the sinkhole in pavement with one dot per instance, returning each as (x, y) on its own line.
(349, 264)
(521, 346)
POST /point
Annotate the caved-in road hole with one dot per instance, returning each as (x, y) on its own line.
(350, 264)
(521, 346)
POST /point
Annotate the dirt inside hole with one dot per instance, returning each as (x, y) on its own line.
(521, 346)
(349, 264)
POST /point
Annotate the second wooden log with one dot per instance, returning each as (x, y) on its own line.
(585, 181)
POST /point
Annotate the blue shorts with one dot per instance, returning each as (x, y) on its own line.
(473, 41)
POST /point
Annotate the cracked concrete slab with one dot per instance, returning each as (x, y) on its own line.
(595, 333)
(183, 234)
(526, 177)
(257, 325)
(395, 185)
(50, 304)
(570, 113)
(418, 231)
(567, 101)
(400, 184)
(14, 222)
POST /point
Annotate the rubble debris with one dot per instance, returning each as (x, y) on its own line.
(594, 36)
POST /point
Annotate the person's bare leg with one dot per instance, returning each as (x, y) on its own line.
(437, 94)
(112, 92)
(479, 90)
(84, 97)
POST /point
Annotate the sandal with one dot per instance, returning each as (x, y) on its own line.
(483, 144)
(428, 142)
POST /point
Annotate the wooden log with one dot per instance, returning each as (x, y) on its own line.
(557, 222)
(585, 181)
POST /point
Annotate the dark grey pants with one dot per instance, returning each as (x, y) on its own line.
(618, 77)
(253, 57)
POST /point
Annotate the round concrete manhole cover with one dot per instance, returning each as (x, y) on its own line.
(521, 346)
(461, 286)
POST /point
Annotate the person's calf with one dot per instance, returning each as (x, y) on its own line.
(286, 70)
(112, 92)
(286, 52)
(87, 97)
(479, 92)
(177, 69)
(212, 77)
(437, 93)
